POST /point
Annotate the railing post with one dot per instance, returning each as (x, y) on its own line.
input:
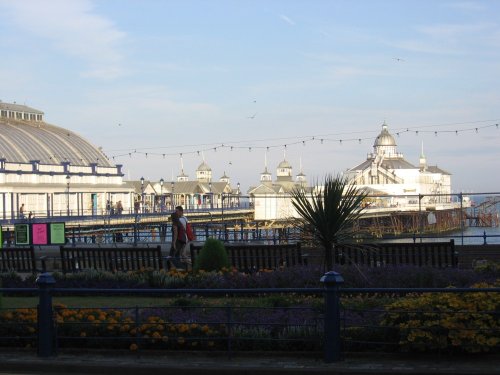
(332, 281)
(45, 282)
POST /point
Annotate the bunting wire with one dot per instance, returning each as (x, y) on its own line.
(273, 143)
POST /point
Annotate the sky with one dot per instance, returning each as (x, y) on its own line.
(162, 85)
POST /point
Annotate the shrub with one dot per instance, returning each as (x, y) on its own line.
(447, 321)
(212, 257)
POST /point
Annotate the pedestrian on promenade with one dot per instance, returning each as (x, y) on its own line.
(178, 250)
(21, 211)
(119, 207)
(182, 236)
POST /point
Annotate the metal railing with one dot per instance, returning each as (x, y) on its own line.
(231, 327)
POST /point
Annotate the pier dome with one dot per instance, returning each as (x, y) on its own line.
(385, 144)
(24, 138)
(384, 138)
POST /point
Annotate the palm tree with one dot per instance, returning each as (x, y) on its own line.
(330, 212)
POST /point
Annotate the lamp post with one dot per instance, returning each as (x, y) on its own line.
(142, 193)
(161, 194)
(211, 195)
(238, 195)
(68, 179)
(172, 194)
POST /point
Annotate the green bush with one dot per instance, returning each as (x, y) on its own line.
(447, 321)
(212, 257)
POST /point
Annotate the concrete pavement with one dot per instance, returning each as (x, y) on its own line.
(107, 362)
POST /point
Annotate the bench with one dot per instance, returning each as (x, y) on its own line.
(433, 254)
(19, 259)
(470, 256)
(252, 257)
(111, 259)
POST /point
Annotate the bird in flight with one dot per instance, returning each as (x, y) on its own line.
(397, 59)
(252, 117)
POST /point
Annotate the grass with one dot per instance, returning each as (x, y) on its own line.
(151, 301)
(94, 301)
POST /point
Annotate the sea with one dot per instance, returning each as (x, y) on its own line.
(467, 236)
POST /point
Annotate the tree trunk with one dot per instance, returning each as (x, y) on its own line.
(328, 257)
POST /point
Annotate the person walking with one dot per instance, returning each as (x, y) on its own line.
(182, 236)
(21, 211)
(179, 256)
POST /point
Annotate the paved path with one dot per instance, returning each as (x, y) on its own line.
(179, 363)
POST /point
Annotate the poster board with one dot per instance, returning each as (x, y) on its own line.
(57, 233)
(22, 234)
(39, 234)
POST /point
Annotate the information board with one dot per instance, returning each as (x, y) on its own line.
(22, 234)
(57, 236)
(39, 234)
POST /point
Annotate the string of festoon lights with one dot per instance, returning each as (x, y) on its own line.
(287, 142)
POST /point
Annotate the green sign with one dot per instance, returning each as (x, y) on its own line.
(57, 231)
(22, 234)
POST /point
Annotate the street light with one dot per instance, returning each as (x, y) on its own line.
(172, 194)
(238, 193)
(68, 179)
(142, 193)
(161, 194)
(211, 195)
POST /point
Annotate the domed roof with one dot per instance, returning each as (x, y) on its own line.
(25, 141)
(384, 138)
(204, 167)
(284, 164)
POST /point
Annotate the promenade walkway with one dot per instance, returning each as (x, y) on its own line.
(180, 363)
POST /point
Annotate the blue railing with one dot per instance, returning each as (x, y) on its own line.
(232, 327)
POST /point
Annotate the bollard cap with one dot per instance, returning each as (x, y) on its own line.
(332, 278)
(45, 278)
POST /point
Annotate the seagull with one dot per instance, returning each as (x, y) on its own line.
(397, 59)
(252, 117)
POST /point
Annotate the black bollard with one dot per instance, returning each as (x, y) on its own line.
(332, 281)
(45, 282)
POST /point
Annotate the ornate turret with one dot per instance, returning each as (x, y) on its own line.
(385, 144)
(284, 171)
(204, 172)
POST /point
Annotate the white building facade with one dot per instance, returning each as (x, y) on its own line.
(271, 200)
(51, 171)
(398, 183)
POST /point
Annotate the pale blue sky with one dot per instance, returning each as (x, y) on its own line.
(165, 77)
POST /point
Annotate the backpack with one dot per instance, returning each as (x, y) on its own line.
(189, 232)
